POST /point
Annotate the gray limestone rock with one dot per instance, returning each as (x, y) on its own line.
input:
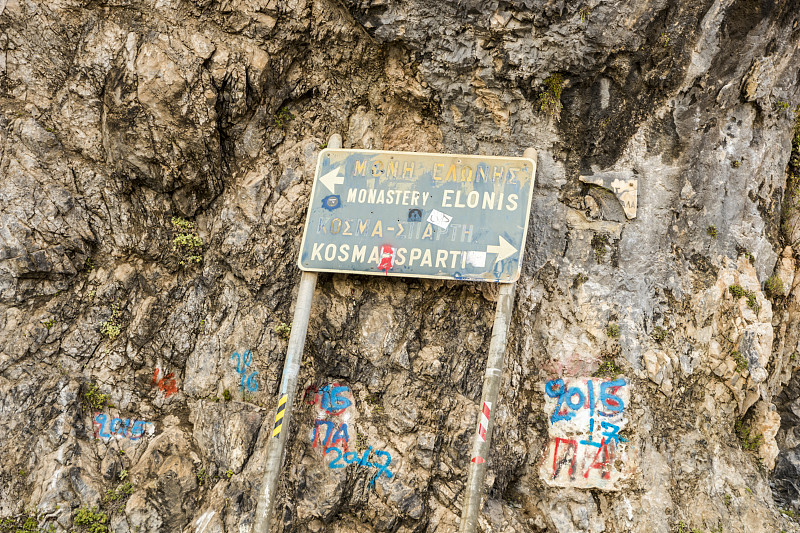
(122, 122)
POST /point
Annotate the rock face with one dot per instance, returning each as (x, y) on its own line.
(155, 163)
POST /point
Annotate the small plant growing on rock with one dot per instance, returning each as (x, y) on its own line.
(747, 439)
(664, 39)
(202, 477)
(752, 301)
(737, 163)
(26, 522)
(93, 399)
(374, 401)
(283, 116)
(608, 368)
(361, 442)
(186, 243)
(111, 328)
(580, 279)
(659, 334)
(712, 231)
(612, 330)
(49, 323)
(741, 362)
(599, 243)
(550, 98)
(283, 330)
(118, 495)
(226, 395)
(750, 257)
(736, 291)
(91, 520)
(584, 13)
(772, 287)
(791, 198)
(229, 473)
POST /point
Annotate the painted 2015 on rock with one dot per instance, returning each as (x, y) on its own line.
(585, 418)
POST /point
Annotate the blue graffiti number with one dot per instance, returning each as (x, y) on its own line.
(241, 369)
(611, 401)
(336, 463)
(101, 419)
(556, 389)
(384, 468)
(119, 427)
(574, 399)
(350, 458)
(332, 400)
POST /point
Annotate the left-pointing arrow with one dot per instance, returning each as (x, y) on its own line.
(331, 179)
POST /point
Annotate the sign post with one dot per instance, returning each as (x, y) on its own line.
(495, 363)
(283, 414)
(420, 215)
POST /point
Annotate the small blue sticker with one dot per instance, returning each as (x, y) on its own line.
(331, 202)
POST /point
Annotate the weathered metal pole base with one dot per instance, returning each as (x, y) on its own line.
(491, 388)
(276, 440)
(495, 363)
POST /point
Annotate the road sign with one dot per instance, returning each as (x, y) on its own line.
(417, 214)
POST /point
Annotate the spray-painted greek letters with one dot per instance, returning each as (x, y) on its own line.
(333, 431)
(168, 384)
(585, 448)
(331, 426)
(242, 363)
(106, 427)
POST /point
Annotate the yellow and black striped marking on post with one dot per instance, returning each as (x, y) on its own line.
(279, 416)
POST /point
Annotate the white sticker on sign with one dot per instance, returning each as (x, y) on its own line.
(476, 259)
(437, 218)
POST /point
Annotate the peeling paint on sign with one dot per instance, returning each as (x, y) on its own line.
(418, 215)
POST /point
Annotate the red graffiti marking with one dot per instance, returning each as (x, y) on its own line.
(387, 258)
(573, 444)
(331, 437)
(310, 395)
(166, 384)
(602, 465)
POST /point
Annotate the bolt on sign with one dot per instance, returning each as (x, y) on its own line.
(418, 214)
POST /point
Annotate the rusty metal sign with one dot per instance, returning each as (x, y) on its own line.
(417, 214)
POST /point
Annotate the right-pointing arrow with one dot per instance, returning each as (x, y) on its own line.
(503, 250)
